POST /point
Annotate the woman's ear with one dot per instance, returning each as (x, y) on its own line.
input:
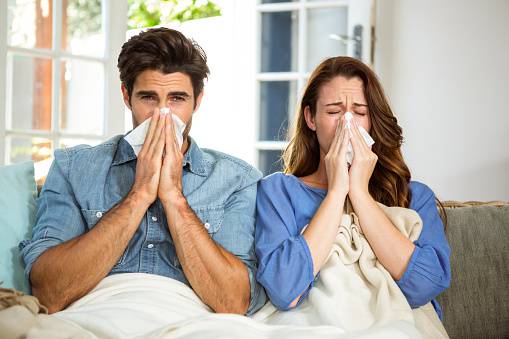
(310, 119)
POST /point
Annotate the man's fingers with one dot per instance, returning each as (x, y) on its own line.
(168, 140)
(158, 133)
(152, 127)
(159, 146)
(173, 134)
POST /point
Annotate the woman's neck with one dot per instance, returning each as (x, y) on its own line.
(317, 179)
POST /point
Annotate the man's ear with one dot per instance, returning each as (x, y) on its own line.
(310, 119)
(125, 95)
(198, 101)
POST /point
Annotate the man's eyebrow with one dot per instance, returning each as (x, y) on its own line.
(143, 93)
(180, 93)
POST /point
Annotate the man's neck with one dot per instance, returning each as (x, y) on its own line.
(185, 146)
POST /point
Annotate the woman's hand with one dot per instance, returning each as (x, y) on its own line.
(335, 162)
(363, 164)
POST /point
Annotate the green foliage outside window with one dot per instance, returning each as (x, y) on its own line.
(84, 16)
(150, 13)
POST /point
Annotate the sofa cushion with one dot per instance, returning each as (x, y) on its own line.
(475, 305)
(17, 216)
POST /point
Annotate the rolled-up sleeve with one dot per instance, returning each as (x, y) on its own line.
(428, 272)
(285, 262)
(236, 234)
(58, 217)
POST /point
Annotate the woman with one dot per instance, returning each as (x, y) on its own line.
(299, 211)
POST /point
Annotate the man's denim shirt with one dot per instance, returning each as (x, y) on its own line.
(85, 182)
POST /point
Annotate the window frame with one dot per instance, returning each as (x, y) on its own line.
(301, 75)
(114, 30)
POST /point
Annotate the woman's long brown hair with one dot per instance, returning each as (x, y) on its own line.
(391, 176)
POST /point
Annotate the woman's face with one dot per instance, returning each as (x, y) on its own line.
(335, 98)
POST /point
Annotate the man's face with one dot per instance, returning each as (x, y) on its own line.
(155, 89)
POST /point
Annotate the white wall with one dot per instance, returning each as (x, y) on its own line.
(226, 119)
(445, 68)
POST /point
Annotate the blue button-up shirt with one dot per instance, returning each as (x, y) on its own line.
(85, 182)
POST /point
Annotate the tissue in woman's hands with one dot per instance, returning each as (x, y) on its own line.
(365, 135)
(137, 135)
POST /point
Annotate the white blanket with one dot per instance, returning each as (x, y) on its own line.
(137, 305)
(354, 297)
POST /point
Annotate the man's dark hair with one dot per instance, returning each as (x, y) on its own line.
(165, 50)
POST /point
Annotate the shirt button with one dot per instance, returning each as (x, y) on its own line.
(207, 225)
(154, 218)
(99, 214)
(150, 245)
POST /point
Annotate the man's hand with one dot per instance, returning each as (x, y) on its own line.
(170, 183)
(148, 167)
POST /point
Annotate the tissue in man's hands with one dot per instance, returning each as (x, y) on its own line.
(137, 135)
(365, 135)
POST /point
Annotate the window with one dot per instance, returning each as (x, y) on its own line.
(59, 79)
(293, 38)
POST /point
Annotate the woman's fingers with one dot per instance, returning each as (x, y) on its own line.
(356, 140)
(344, 145)
(335, 138)
(357, 132)
(340, 136)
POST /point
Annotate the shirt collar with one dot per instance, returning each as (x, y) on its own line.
(193, 158)
(124, 152)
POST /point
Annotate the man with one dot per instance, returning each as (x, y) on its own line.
(184, 213)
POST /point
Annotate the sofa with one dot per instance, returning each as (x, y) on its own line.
(475, 305)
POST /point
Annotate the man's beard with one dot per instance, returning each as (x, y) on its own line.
(187, 130)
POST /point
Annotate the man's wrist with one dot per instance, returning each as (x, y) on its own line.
(138, 199)
(175, 198)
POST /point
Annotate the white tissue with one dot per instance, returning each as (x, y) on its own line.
(365, 135)
(137, 136)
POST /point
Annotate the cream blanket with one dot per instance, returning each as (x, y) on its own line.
(354, 291)
(355, 297)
